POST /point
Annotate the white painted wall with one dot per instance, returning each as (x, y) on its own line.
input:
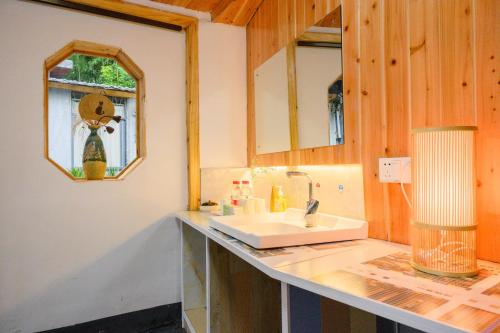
(272, 121)
(73, 252)
(316, 69)
(223, 100)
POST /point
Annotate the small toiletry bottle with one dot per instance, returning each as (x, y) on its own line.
(246, 190)
(260, 205)
(227, 210)
(278, 201)
(235, 193)
(249, 208)
(245, 200)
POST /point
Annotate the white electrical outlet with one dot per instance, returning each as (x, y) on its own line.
(394, 170)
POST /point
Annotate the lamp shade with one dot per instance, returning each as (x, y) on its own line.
(444, 202)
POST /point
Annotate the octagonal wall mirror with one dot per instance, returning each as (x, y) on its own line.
(299, 91)
(93, 111)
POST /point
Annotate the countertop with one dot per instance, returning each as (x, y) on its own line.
(376, 276)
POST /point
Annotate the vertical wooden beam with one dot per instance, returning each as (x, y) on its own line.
(192, 116)
(351, 78)
(488, 137)
(373, 116)
(397, 94)
(251, 56)
(292, 96)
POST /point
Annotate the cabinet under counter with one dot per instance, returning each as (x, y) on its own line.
(366, 281)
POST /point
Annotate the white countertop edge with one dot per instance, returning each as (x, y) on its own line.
(366, 304)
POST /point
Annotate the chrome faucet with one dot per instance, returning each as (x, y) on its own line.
(312, 204)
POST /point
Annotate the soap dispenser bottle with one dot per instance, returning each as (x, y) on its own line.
(278, 200)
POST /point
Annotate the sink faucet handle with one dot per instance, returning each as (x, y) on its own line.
(312, 206)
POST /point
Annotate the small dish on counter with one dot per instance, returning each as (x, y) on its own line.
(209, 207)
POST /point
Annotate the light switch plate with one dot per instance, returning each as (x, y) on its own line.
(394, 170)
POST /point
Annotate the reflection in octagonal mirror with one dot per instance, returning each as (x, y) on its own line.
(92, 117)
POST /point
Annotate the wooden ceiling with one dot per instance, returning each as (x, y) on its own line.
(235, 12)
(332, 20)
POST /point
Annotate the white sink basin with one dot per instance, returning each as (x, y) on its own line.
(288, 229)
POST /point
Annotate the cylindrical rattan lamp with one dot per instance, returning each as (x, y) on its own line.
(444, 201)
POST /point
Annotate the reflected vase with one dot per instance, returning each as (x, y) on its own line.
(94, 156)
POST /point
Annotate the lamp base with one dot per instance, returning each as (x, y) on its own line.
(442, 273)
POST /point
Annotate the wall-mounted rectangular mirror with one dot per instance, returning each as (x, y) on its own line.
(299, 91)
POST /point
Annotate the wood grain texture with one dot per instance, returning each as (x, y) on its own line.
(397, 101)
(457, 70)
(424, 56)
(193, 268)
(200, 5)
(320, 37)
(351, 76)
(332, 20)
(242, 298)
(139, 11)
(488, 136)
(373, 116)
(292, 96)
(435, 63)
(235, 12)
(338, 317)
(441, 63)
(192, 117)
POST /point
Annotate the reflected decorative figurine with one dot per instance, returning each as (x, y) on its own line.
(96, 111)
(336, 108)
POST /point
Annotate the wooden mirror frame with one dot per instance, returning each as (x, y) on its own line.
(350, 151)
(106, 51)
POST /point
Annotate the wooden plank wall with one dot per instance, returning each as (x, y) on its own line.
(421, 63)
(487, 38)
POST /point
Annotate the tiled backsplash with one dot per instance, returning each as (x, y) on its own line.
(216, 185)
(216, 182)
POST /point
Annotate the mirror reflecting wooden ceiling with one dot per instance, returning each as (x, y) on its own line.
(235, 12)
